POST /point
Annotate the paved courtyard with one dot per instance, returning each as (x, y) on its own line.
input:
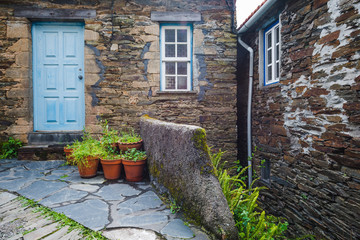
(121, 210)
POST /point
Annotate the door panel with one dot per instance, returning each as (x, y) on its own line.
(58, 61)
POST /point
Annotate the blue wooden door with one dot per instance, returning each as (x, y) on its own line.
(58, 76)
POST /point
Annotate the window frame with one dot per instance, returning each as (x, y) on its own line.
(188, 59)
(271, 30)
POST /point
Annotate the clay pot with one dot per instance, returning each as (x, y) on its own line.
(134, 171)
(126, 146)
(89, 170)
(69, 158)
(111, 168)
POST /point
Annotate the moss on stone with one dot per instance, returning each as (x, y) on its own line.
(154, 170)
(199, 139)
(146, 116)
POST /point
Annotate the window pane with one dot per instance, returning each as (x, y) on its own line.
(169, 50)
(182, 83)
(276, 34)
(182, 50)
(182, 68)
(277, 70)
(269, 57)
(269, 40)
(170, 68)
(277, 53)
(182, 35)
(170, 82)
(169, 35)
(269, 73)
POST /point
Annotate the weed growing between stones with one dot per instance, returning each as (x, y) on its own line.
(251, 221)
(61, 219)
(9, 149)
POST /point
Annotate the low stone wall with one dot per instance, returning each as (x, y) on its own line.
(178, 159)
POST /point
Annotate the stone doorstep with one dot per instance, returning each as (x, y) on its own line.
(53, 138)
(47, 145)
(41, 152)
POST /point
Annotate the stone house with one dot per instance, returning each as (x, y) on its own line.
(305, 111)
(66, 64)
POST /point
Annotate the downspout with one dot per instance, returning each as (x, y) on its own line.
(251, 75)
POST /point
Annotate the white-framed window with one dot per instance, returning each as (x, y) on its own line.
(272, 54)
(176, 57)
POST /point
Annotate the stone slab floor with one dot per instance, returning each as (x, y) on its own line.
(121, 210)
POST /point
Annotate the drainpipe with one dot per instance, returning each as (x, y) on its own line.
(251, 75)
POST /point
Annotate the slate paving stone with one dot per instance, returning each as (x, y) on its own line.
(14, 185)
(117, 192)
(28, 174)
(62, 172)
(90, 213)
(85, 187)
(141, 220)
(44, 165)
(64, 195)
(130, 233)
(148, 200)
(96, 203)
(7, 175)
(41, 189)
(75, 178)
(177, 228)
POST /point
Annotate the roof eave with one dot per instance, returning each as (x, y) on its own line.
(256, 16)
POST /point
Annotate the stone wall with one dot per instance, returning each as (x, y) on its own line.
(178, 160)
(122, 67)
(307, 126)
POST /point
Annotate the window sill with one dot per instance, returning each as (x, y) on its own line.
(176, 92)
(272, 85)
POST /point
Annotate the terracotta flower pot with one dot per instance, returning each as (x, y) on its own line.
(89, 170)
(134, 171)
(126, 146)
(69, 158)
(111, 168)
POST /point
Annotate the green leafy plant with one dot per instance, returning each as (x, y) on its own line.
(111, 156)
(109, 138)
(134, 155)
(129, 136)
(251, 221)
(9, 149)
(174, 207)
(88, 147)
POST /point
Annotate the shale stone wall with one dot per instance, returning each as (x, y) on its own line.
(178, 160)
(122, 67)
(308, 126)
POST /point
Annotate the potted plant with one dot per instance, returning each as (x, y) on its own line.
(134, 162)
(109, 138)
(68, 149)
(111, 164)
(86, 156)
(128, 140)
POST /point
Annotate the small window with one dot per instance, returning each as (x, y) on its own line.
(272, 54)
(176, 57)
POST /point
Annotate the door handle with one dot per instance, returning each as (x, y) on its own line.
(80, 77)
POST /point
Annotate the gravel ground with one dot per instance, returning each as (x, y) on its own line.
(12, 228)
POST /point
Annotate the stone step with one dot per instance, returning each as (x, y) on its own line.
(41, 152)
(51, 138)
